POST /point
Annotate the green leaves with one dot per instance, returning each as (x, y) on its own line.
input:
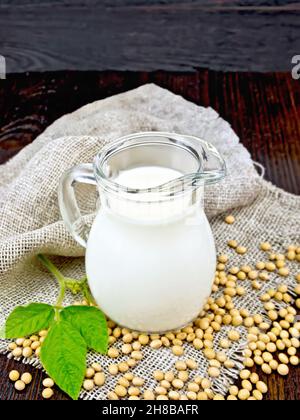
(27, 320)
(71, 333)
(64, 351)
(91, 323)
(63, 355)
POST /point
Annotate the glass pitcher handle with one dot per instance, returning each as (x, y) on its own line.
(68, 205)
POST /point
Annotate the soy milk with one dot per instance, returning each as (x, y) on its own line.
(147, 272)
(146, 177)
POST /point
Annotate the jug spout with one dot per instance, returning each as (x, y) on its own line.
(212, 167)
(196, 162)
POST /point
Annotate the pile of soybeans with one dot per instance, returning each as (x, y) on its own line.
(272, 340)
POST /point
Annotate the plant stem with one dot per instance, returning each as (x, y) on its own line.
(87, 293)
(61, 295)
(65, 282)
(57, 274)
(57, 314)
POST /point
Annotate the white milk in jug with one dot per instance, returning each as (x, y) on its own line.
(147, 272)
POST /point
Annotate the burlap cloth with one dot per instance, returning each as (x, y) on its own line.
(30, 222)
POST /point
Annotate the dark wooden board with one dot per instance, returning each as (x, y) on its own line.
(264, 109)
(149, 35)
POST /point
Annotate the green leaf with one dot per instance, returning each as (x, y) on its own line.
(91, 323)
(63, 355)
(27, 320)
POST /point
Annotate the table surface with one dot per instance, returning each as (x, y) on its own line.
(264, 110)
(43, 35)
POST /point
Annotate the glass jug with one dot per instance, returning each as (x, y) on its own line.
(150, 253)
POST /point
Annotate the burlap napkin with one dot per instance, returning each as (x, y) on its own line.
(30, 222)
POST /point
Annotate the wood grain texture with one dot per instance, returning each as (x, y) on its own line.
(264, 109)
(32, 391)
(149, 35)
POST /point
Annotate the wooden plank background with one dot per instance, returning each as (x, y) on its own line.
(149, 35)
